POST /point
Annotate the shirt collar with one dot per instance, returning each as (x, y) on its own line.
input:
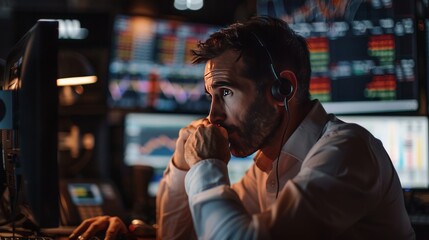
(307, 133)
(302, 139)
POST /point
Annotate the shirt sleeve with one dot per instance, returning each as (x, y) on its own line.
(337, 186)
(212, 199)
(173, 215)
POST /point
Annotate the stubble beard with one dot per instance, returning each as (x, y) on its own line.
(256, 130)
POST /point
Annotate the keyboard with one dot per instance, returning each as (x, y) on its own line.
(26, 238)
(43, 234)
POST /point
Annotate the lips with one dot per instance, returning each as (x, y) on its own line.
(233, 139)
(233, 136)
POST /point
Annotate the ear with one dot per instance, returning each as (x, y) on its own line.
(289, 78)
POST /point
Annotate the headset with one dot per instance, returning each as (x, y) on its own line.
(282, 88)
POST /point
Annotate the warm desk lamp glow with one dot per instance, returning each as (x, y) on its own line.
(74, 70)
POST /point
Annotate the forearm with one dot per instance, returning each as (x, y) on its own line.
(173, 215)
(216, 209)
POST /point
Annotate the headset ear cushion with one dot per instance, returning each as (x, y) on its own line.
(281, 89)
(275, 91)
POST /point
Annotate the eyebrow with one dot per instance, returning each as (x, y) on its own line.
(218, 84)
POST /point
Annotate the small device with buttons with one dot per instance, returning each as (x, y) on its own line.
(83, 199)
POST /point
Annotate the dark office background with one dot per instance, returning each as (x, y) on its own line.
(219, 12)
(90, 112)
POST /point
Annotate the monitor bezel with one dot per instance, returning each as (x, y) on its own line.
(32, 139)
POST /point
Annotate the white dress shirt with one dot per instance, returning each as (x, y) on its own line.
(336, 181)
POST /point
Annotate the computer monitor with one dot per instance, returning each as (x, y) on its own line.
(151, 65)
(366, 56)
(149, 140)
(29, 125)
(405, 139)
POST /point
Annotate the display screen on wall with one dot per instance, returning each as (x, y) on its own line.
(363, 54)
(151, 65)
(405, 139)
(150, 140)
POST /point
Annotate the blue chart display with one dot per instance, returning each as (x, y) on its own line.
(406, 142)
(363, 54)
(151, 65)
(150, 140)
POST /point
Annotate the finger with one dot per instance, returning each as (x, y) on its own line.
(81, 228)
(100, 224)
(115, 226)
(184, 133)
(202, 121)
(198, 121)
(206, 121)
(223, 131)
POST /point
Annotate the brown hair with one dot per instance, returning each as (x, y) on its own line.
(287, 50)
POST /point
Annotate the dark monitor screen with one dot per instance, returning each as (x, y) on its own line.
(151, 68)
(29, 142)
(405, 139)
(149, 140)
(363, 54)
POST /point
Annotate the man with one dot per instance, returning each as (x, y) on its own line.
(314, 176)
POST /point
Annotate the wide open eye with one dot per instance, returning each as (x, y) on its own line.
(226, 92)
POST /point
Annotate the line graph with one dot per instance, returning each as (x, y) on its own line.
(153, 144)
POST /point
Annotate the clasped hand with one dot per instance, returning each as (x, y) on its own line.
(198, 141)
(201, 140)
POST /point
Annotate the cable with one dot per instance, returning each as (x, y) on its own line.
(281, 146)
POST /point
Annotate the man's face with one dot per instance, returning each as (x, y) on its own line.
(237, 105)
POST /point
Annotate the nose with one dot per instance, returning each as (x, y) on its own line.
(217, 113)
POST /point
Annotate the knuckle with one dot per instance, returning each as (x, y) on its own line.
(116, 220)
